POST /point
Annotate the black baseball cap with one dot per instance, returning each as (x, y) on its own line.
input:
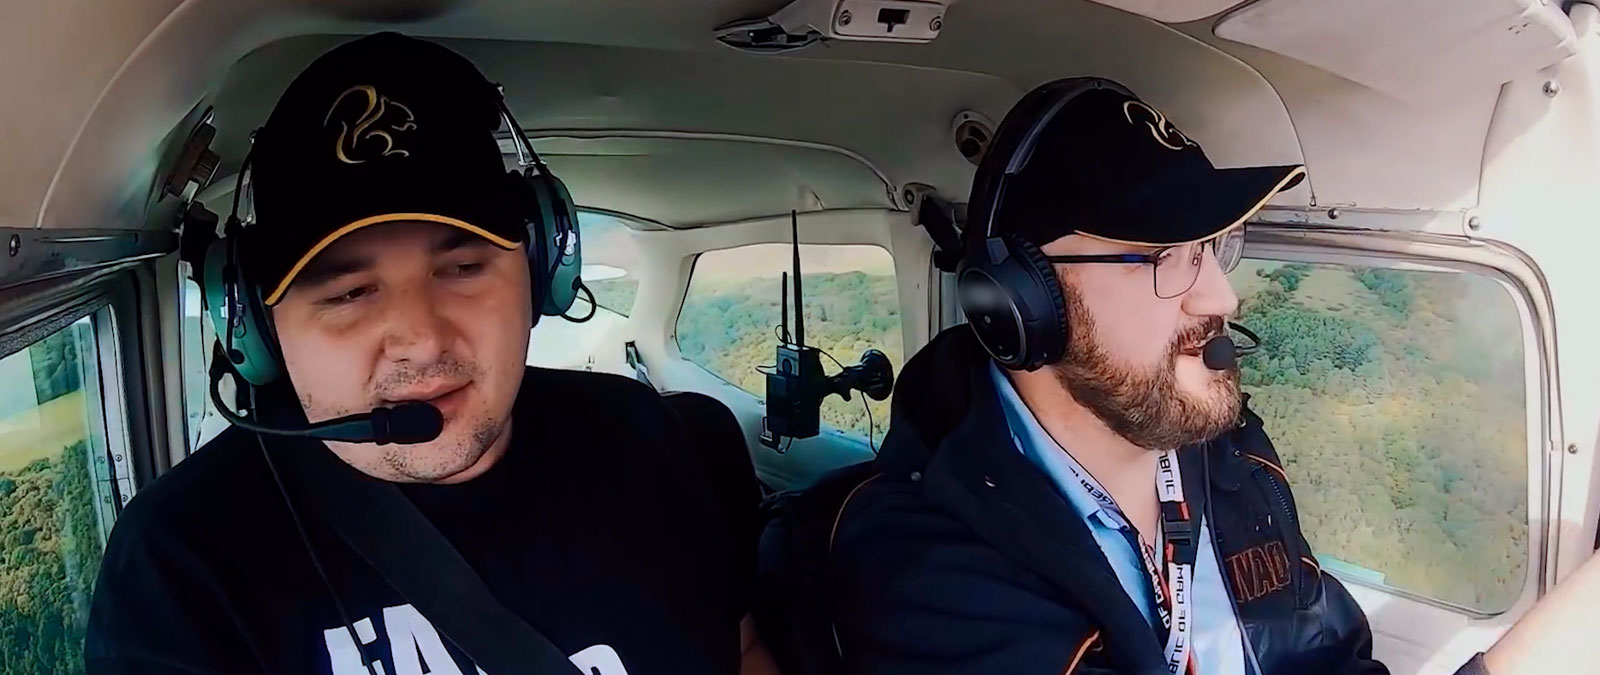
(1110, 166)
(380, 129)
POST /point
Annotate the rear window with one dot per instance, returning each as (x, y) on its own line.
(731, 318)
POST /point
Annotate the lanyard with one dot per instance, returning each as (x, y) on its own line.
(1176, 543)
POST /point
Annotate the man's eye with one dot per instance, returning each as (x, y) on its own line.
(349, 296)
(471, 269)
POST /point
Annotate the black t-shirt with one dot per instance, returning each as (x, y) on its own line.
(598, 527)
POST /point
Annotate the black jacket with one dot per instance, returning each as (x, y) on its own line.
(960, 556)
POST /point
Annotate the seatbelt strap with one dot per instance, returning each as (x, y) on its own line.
(630, 351)
(388, 531)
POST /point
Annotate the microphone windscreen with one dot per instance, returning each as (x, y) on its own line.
(414, 422)
(1219, 353)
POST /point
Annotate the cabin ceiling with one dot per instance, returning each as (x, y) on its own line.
(105, 86)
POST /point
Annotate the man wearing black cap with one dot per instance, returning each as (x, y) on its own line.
(394, 261)
(1071, 483)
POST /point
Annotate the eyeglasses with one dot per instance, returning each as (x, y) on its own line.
(1176, 267)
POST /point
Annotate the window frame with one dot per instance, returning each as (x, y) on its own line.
(139, 386)
(110, 397)
(109, 298)
(1515, 274)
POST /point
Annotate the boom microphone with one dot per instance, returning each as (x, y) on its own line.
(1220, 352)
(404, 424)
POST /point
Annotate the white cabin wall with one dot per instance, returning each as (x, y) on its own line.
(59, 55)
(1540, 173)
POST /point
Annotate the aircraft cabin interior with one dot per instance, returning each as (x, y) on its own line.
(1425, 298)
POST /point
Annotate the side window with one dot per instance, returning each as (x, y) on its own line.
(730, 319)
(56, 499)
(1397, 400)
(610, 260)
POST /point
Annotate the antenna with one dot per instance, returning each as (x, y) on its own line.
(796, 384)
(799, 309)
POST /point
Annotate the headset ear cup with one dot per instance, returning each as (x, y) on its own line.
(566, 247)
(1013, 302)
(527, 194)
(1030, 329)
(1049, 341)
(553, 243)
(240, 318)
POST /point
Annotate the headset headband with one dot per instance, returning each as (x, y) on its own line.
(526, 155)
(1036, 110)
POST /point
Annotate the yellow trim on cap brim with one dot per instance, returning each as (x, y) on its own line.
(1298, 172)
(283, 285)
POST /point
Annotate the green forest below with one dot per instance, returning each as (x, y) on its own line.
(50, 539)
(1396, 401)
(51, 555)
(729, 328)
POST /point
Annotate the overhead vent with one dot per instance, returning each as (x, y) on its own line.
(1414, 49)
(973, 134)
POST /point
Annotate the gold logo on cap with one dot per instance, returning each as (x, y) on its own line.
(390, 117)
(1163, 131)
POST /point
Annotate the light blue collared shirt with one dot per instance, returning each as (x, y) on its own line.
(1218, 645)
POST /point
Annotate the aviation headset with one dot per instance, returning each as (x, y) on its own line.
(244, 324)
(1005, 285)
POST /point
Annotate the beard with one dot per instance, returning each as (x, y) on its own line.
(1145, 405)
(445, 456)
(463, 441)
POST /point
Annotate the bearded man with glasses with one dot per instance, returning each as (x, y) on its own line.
(1072, 482)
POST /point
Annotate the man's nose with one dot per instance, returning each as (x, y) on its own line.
(1211, 294)
(415, 329)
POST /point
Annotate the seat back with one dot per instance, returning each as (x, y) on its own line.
(720, 440)
(794, 590)
(790, 537)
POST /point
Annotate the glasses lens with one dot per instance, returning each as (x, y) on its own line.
(1230, 249)
(1177, 268)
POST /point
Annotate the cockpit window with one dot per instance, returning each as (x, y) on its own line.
(1397, 399)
